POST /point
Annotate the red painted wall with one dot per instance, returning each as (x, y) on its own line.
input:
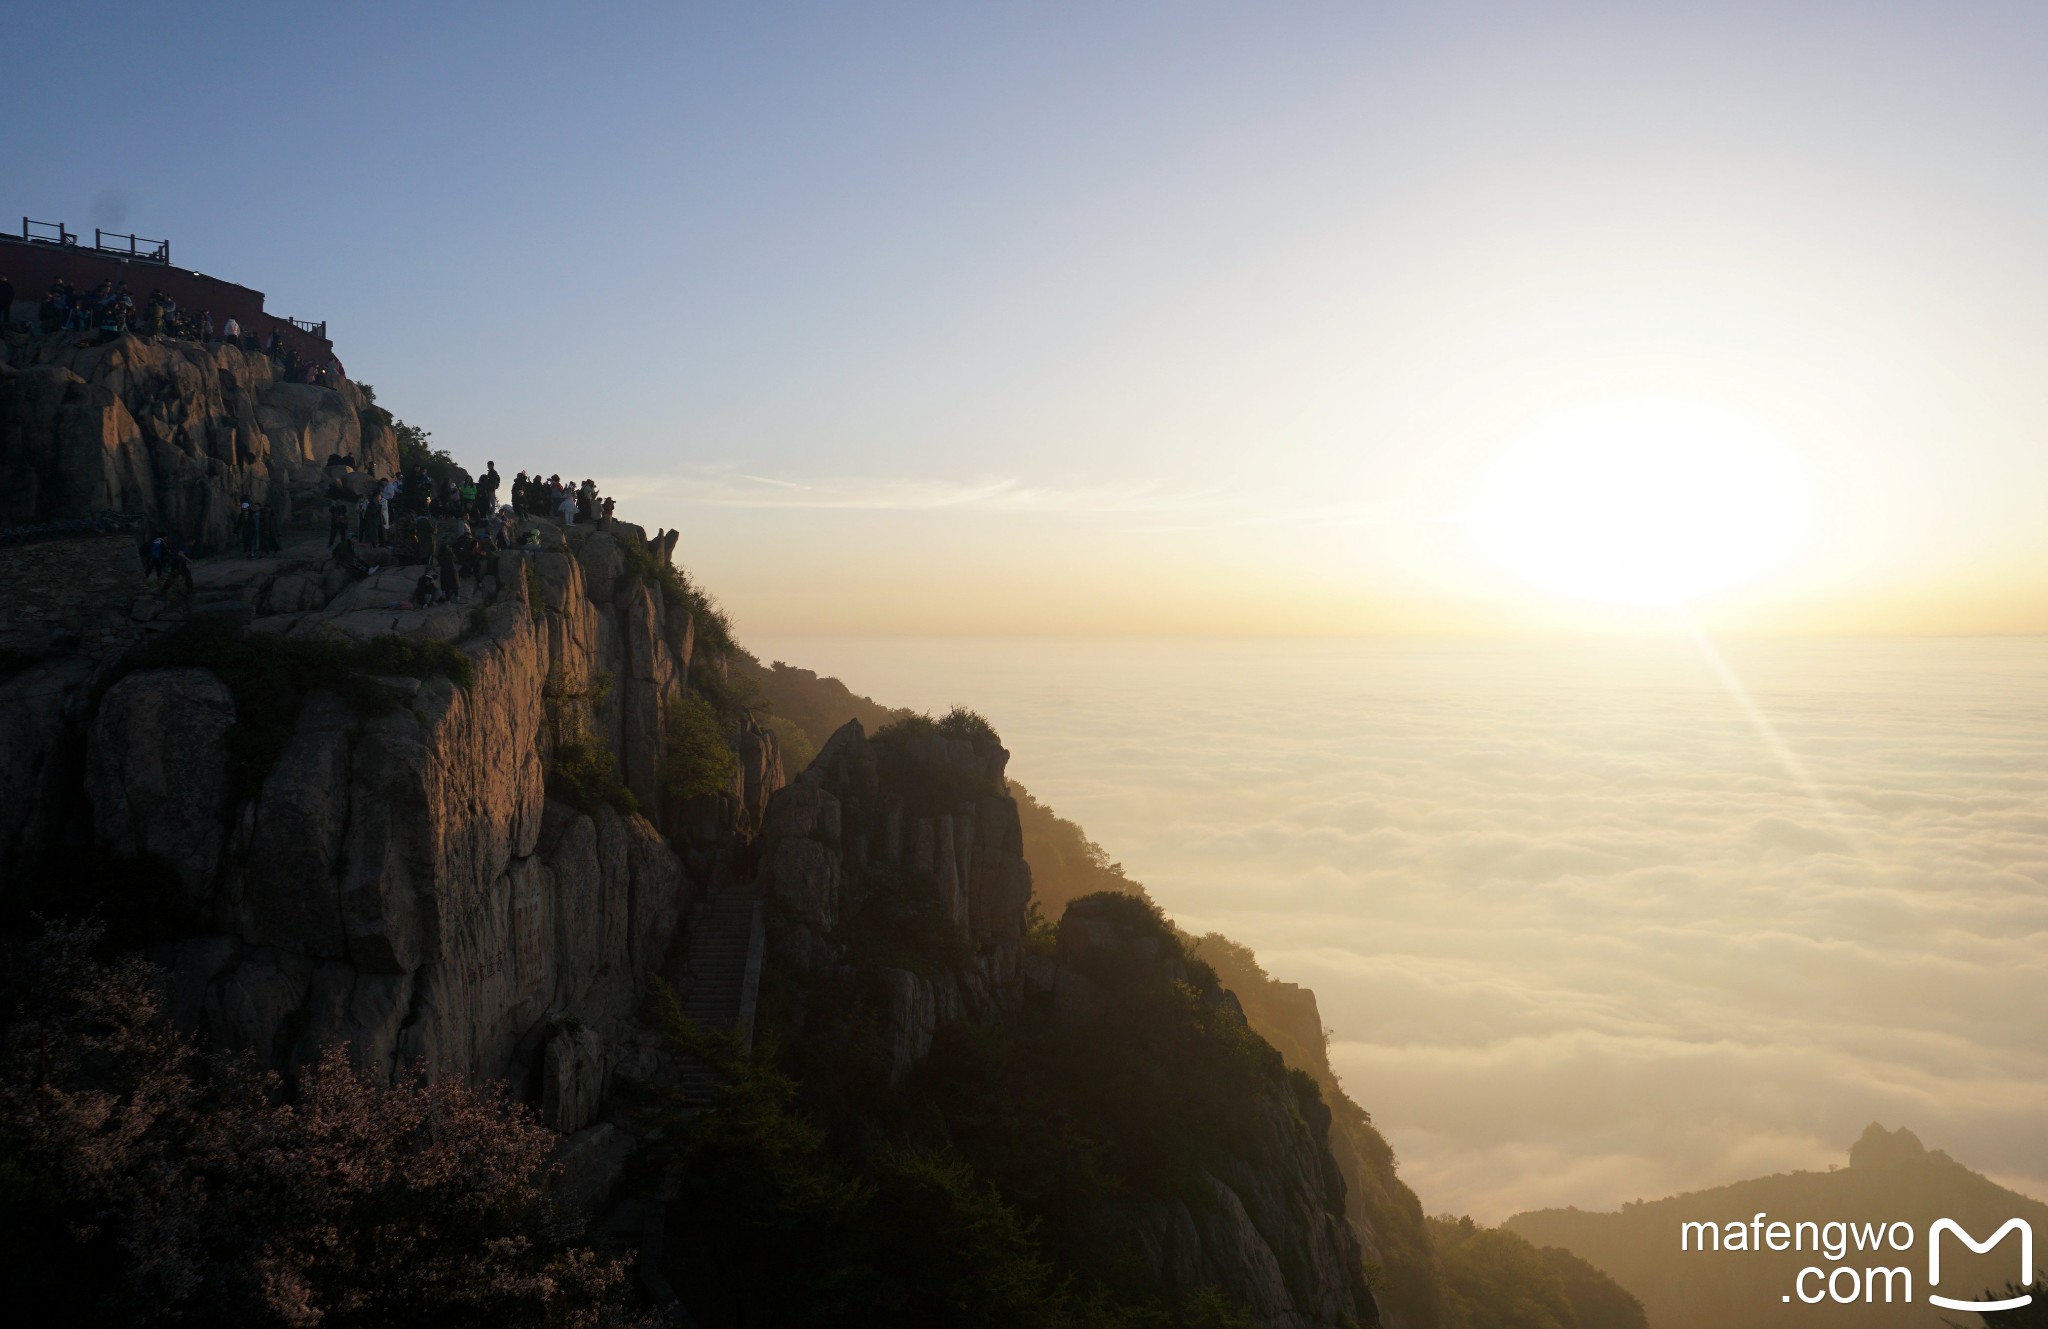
(32, 267)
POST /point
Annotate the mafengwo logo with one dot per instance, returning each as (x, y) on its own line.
(1844, 1280)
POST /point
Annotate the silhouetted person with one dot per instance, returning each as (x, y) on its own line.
(451, 581)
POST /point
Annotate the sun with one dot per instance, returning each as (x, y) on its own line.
(1639, 509)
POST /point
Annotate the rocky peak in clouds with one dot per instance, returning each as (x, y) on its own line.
(1879, 1148)
(1891, 1178)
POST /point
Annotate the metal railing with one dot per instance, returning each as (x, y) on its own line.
(46, 233)
(147, 251)
(130, 247)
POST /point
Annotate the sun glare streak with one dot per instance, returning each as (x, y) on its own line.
(1789, 759)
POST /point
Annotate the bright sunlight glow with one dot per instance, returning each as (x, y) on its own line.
(1641, 509)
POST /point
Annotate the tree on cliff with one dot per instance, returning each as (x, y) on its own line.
(1501, 1280)
(141, 1183)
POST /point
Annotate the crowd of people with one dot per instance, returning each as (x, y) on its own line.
(567, 503)
(450, 526)
(413, 515)
(108, 310)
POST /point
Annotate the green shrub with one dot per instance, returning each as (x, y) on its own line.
(420, 657)
(713, 625)
(1040, 936)
(1498, 1278)
(696, 759)
(536, 594)
(581, 770)
(736, 697)
(583, 773)
(956, 723)
(1135, 914)
(794, 744)
(415, 450)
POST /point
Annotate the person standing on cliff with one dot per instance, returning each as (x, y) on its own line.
(451, 580)
(250, 534)
(487, 489)
(177, 585)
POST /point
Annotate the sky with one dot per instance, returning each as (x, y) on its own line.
(1155, 318)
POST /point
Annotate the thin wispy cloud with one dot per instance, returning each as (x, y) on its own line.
(725, 488)
(1155, 508)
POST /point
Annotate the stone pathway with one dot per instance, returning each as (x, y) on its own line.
(723, 975)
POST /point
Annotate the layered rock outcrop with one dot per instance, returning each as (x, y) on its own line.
(397, 875)
(895, 875)
(178, 431)
(921, 827)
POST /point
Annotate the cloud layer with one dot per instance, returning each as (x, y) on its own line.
(1583, 933)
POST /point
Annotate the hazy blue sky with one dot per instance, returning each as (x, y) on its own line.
(1248, 315)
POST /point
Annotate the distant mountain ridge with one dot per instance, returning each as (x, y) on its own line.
(1891, 1178)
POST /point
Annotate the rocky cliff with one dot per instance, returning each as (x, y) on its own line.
(178, 430)
(900, 915)
(468, 836)
(376, 858)
(1408, 1278)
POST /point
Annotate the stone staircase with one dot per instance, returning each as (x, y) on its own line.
(723, 975)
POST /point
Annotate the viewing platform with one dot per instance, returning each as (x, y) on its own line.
(45, 252)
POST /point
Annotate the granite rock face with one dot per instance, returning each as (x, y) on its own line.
(158, 762)
(398, 876)
(927, 821)
(919, 830)
(177, 431)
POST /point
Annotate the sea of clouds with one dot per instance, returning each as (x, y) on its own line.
(1590, 921)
